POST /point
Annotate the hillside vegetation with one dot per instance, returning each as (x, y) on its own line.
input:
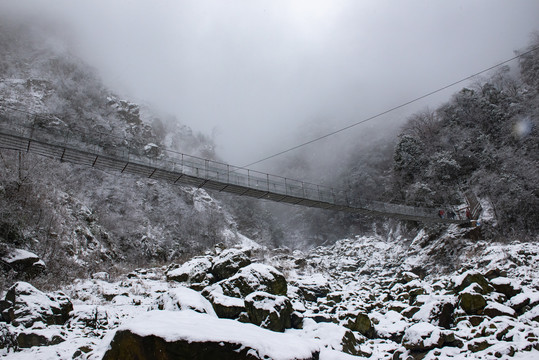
(484, 138)
(76, 219)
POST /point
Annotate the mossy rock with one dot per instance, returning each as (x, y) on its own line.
(472, 303)
(362, 324)
(472, 277)
(269, 311)
(351, 345)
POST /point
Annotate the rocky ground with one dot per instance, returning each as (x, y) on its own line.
(363, 297)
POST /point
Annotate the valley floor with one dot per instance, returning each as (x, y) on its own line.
(361, 297)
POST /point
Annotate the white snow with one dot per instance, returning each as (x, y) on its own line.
(389, 324)
(192, 267)
(327, 335)
(423, 332)
(183, 298)
(195, 327)
(351, 292)
(501, 308)
(19, 254)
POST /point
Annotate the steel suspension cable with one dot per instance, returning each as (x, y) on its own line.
(391, 109)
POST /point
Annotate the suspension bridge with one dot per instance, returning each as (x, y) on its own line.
(182, 169)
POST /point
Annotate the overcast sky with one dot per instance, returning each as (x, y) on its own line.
(256, 73)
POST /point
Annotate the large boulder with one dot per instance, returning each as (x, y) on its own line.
(494, 309)
(255, 277)
(27, 305)
(361, 323)
(39, 337)
(313, 287)
(405, 277)
(196, 272)
(472, 303)
(182, 298)
(23, 261)
(506, 286)
(269, 311)
(519, 302)
(163, 335)
(89, 317)
(468, 278)
(390, 325)
(437, 311)
(228, 263)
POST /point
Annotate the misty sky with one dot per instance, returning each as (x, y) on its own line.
(262, 76)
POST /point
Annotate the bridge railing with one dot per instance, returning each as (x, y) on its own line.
(170, 160)
(199, 168)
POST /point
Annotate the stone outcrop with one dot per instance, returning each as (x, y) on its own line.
(162, 335)
(269, 311)
(362, 324)
(228, 263)
(255, 277)
(196, 272)
(472, 303)
(23, 262)
(25, 305)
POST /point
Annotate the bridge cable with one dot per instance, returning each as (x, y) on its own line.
(390, 110)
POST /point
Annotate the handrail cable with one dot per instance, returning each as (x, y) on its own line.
(391, 109)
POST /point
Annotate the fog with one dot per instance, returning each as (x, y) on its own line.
(263, 76)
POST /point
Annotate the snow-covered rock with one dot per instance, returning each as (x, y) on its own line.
(494, 309)
(228, 262)
(196, 271)
(437, 310)
(508, 287)
(182, 298)
(255, 277)
(39, 337)
(464, 280)
(188, 334)
(422, 336)
(269, 311)
(225, 306)
(23, 261)
(332, 336)
(26, 305)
